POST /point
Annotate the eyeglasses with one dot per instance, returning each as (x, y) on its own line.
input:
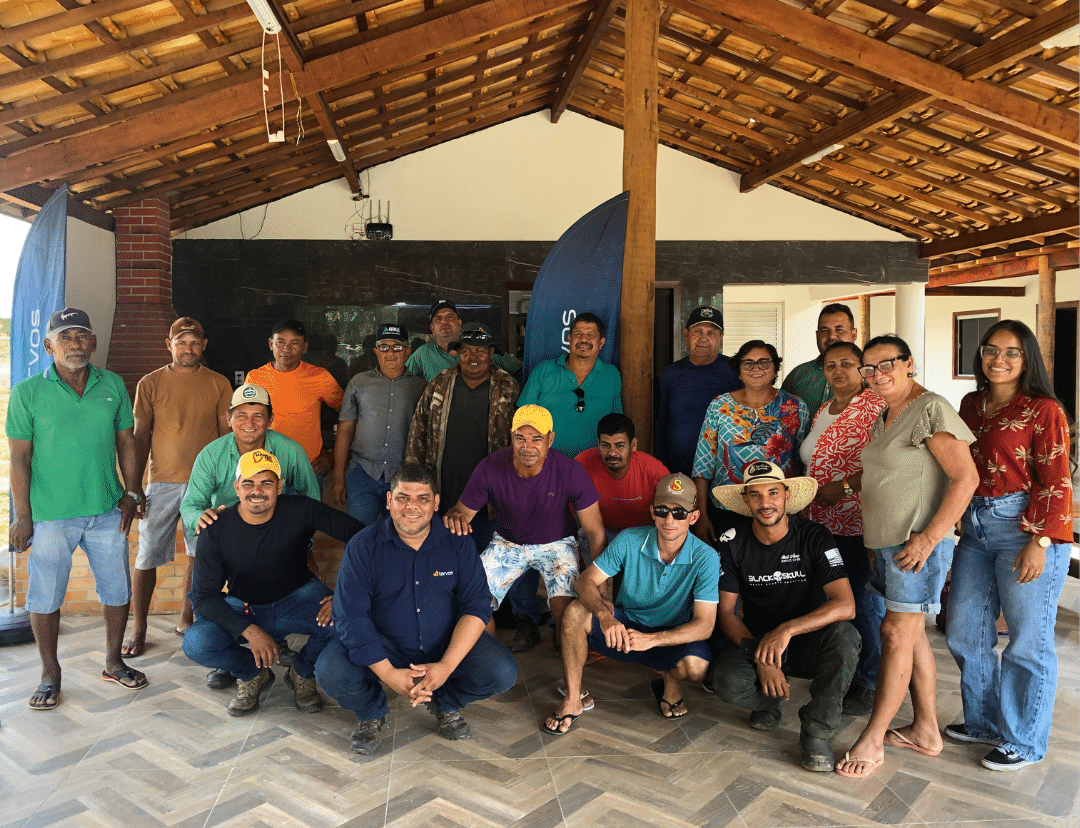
(677, 512)
(883, 367)
(385, 349)
(990, 352)
(579, 406)
(748, 364)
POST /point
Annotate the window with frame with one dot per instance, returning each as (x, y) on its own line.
(969, 327)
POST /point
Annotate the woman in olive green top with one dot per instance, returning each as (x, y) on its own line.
(918, 477)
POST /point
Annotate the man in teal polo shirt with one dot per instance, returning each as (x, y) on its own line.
(67, 428)
(434, 357)
(578, 388)
(664, 612)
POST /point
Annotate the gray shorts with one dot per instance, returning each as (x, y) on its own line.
(157, 531)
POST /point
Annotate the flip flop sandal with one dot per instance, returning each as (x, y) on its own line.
(657, 686)
(127, 678)
(561, 719)
(52, 697)
(894, 738)
(867, 766)
(587, 702)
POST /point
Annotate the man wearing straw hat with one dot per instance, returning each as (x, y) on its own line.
(796, 601)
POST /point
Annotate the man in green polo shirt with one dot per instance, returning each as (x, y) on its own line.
(67, 427)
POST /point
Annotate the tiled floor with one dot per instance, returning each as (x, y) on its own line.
(170, 755)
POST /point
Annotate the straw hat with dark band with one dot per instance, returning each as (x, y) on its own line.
(801, 490)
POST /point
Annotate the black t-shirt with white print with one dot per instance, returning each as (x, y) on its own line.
(783, 581)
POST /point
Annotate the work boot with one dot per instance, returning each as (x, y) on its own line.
(452, 724)
(816, 754)
(305, 691)
(367, 738)
(220, 679)
(248, 692)
(527, 635)
(765, 719)
(286, 654)
(859, 700)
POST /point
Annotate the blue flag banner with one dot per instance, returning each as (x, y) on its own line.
(39, 286)
(583, 272)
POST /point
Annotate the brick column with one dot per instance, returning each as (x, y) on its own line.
(144, 308)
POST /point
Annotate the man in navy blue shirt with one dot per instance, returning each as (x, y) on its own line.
(410, 607)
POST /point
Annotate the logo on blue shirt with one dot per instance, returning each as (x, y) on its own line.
(437, 574)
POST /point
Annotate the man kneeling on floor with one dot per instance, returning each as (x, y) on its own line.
(664, 612)
(260, 548)
(410, 607)
(796, 601)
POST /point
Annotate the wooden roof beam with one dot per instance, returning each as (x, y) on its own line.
(331, 133)
(34, 196)
(66, 20)
(598, 24)
(1027, 265)
(1060, 221)
(1019, 42)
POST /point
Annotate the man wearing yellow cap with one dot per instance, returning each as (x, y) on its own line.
(260, 549)
(529, 486)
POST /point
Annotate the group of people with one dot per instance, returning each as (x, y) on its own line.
(792, 532)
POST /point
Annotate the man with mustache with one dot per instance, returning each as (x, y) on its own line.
(796, 604)
(836, 323)
(578, 388)
(260, 550)
(67, 428)
(436, 356)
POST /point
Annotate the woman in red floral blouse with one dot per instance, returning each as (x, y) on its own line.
(830, 453)
(1013, 552)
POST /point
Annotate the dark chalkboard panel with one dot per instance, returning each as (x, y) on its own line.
(343, 289)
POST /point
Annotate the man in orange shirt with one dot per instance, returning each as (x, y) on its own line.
(297, 391)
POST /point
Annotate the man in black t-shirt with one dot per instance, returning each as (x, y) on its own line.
(260, 549)
(796, 601)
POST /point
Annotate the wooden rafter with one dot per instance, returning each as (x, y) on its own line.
(598, 24)
(1003, 234)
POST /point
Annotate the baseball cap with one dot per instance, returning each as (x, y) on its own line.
(801, 490)
(532, 415)
(477, 335)
(68, 318)
(705, 314)
(438, 306)
(249, 393)
(256, 461)
(290, 325)
(185, 324)
(394, 333)
(678, 489)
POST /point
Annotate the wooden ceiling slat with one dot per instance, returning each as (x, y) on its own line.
(579, 60)
(995, 236)
(54, 23)
(1035, 136)
(1018, 43)
(253, 167)
(878, 217)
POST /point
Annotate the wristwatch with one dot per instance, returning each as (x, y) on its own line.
(848, 491)
(138, 498)
(1044, 542)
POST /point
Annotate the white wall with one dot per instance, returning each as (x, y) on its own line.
(529, 179)
(91, 279)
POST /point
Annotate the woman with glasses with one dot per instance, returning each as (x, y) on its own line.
(918, 477)
(1013, 553)
(755, 422)
(830, 453)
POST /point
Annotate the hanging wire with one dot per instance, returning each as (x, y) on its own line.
(299, 110)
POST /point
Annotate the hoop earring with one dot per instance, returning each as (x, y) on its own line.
(911, 373)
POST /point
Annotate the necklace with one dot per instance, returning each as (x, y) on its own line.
(911, 397)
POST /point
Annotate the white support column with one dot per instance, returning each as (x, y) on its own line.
(911, 322)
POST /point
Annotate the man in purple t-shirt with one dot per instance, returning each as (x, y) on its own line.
(530, 485)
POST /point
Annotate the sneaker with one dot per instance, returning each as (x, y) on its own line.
(527, 635)
(220, 679)
(1005, 760)
(587, 702)
(248, 693)
(452, 724)
(816, 754)
(959, 732)
(305, 691)
(859, 701)
(765, 719)
(286, 654)
(367, 738)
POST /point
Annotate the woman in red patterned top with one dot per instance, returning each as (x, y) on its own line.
(830, 453)
(1013, 552)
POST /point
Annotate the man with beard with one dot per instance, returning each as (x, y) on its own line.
(787, 573)
(434, 357)
(578, 388)
(836, 323)
(688, 386)
(67, 428)
(179, 409)
(260, 550)
(410, 607)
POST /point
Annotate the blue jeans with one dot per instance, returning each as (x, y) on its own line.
(365, 497)
(488, 668)
(211, 645)
(1012, 701)
(869, 609)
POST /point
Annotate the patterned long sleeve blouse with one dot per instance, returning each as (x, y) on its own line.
(1024, 447)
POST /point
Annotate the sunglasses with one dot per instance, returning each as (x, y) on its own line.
(579, 406)
(677, 512)
(385, 349)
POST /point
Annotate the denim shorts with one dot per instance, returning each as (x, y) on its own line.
(157, 531)
(911, 591)
(52, 546)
